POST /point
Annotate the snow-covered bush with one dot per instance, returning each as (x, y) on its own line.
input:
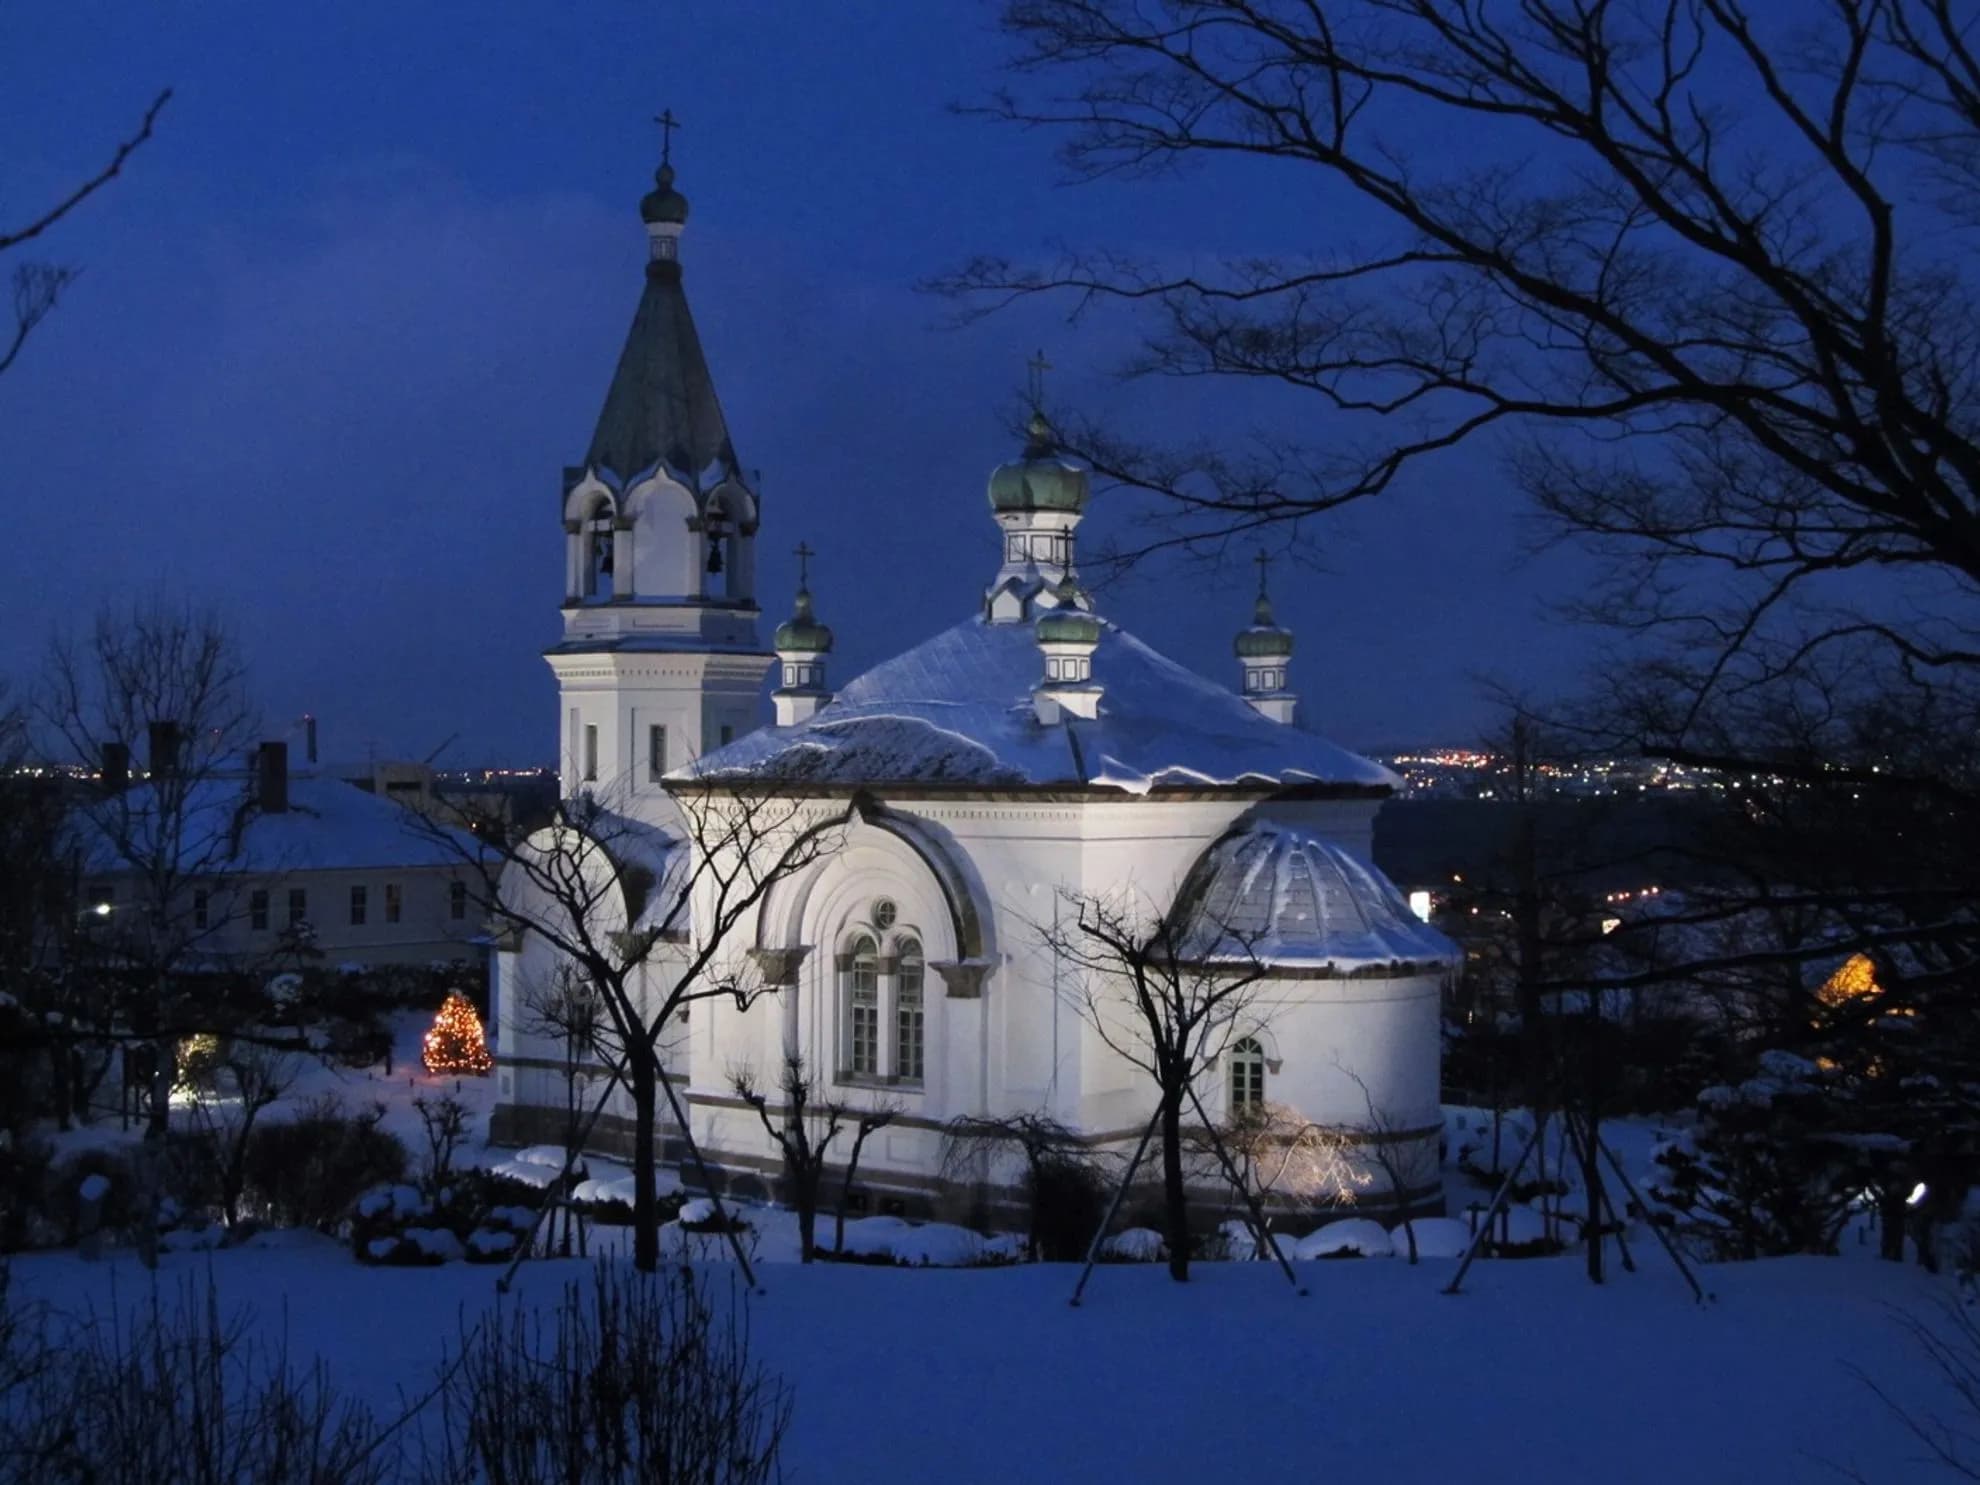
(1351, 1237)
(472, 1216)
(1764, 1173)
(1134, 1245)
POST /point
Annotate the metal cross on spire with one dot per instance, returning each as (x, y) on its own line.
(668, 124)
(1037, 366)
(1264, 561)
(804, 554)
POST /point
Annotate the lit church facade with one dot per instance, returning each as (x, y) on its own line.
(967, 787)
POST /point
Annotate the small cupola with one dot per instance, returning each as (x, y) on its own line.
(1067, 634)
(1037, 500)
(1264, 652)
(664, 209)
(801, 643)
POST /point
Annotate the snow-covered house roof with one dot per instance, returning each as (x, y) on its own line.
(329, 825)
(958, 710)
(1284, 897)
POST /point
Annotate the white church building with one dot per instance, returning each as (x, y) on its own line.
(1029, 750)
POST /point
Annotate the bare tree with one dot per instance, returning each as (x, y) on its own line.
(804, 1128)
(1166, 997)
(1279, 1156)
(173, 676)
(38, 285)
(1048, 1148)
(650, 920)
(230, 1094)
(1704, 279)
(568, 1010)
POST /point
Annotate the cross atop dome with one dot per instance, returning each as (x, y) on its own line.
(664, 209)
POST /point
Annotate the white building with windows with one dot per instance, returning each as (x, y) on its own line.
(274, 868)
(1029, 750)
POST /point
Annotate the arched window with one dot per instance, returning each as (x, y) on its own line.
(598, 528)
(1247, 1094)
(908, 1024)
(863, 1008)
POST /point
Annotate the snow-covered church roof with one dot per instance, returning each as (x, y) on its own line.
(958, 710)
(1286, 897)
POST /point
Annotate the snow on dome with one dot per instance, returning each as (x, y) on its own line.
(1286, 897)
(957, 709)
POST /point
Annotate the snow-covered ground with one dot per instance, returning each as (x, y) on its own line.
(988, 1375)
(968, 1374)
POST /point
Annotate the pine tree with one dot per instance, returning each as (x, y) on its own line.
(455, 1044)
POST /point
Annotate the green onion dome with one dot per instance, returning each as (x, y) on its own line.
(1040, 480)
(1264, 640)
(801, 631)
(1068, 624)
(663, 203)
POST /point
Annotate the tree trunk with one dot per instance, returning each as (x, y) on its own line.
(1175, 1201)
(1891, 1215)
(646, 1198)
(805, 1190)
(162, 1075)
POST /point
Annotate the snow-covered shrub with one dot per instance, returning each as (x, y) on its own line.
(1134, 1245)
(896, 1242)
(1351, 1237)
(482, 1219)
(699, 1214)
(634, 1377)
(1764, 1173)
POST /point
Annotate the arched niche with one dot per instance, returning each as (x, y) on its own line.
(731, 511)
(594, 550)
(666, 552)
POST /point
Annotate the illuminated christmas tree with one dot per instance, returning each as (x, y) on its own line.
(455, 1044)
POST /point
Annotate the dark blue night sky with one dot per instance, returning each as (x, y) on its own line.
(355, 307)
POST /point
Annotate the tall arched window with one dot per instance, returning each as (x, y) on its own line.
(1247, 1094)
(908, 1024)
(863, 1009)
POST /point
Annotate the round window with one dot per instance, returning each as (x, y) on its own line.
(884, 913)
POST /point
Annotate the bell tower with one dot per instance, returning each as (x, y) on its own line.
(660, 661)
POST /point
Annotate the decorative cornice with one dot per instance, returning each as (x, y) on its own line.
(779, 967)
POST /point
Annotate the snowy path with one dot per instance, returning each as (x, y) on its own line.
(987, 1375)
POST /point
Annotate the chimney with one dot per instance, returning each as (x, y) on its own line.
(274, 778)
(309, 737)
(116, 767)
(164, 749)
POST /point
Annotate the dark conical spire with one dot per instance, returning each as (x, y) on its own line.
(661, 408)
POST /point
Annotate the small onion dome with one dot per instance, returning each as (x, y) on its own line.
(1264, 640)
(663, 203)
(1069, 623)
(1285, 897)
(1068, 626)
(801, 631)
(1040, 480)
